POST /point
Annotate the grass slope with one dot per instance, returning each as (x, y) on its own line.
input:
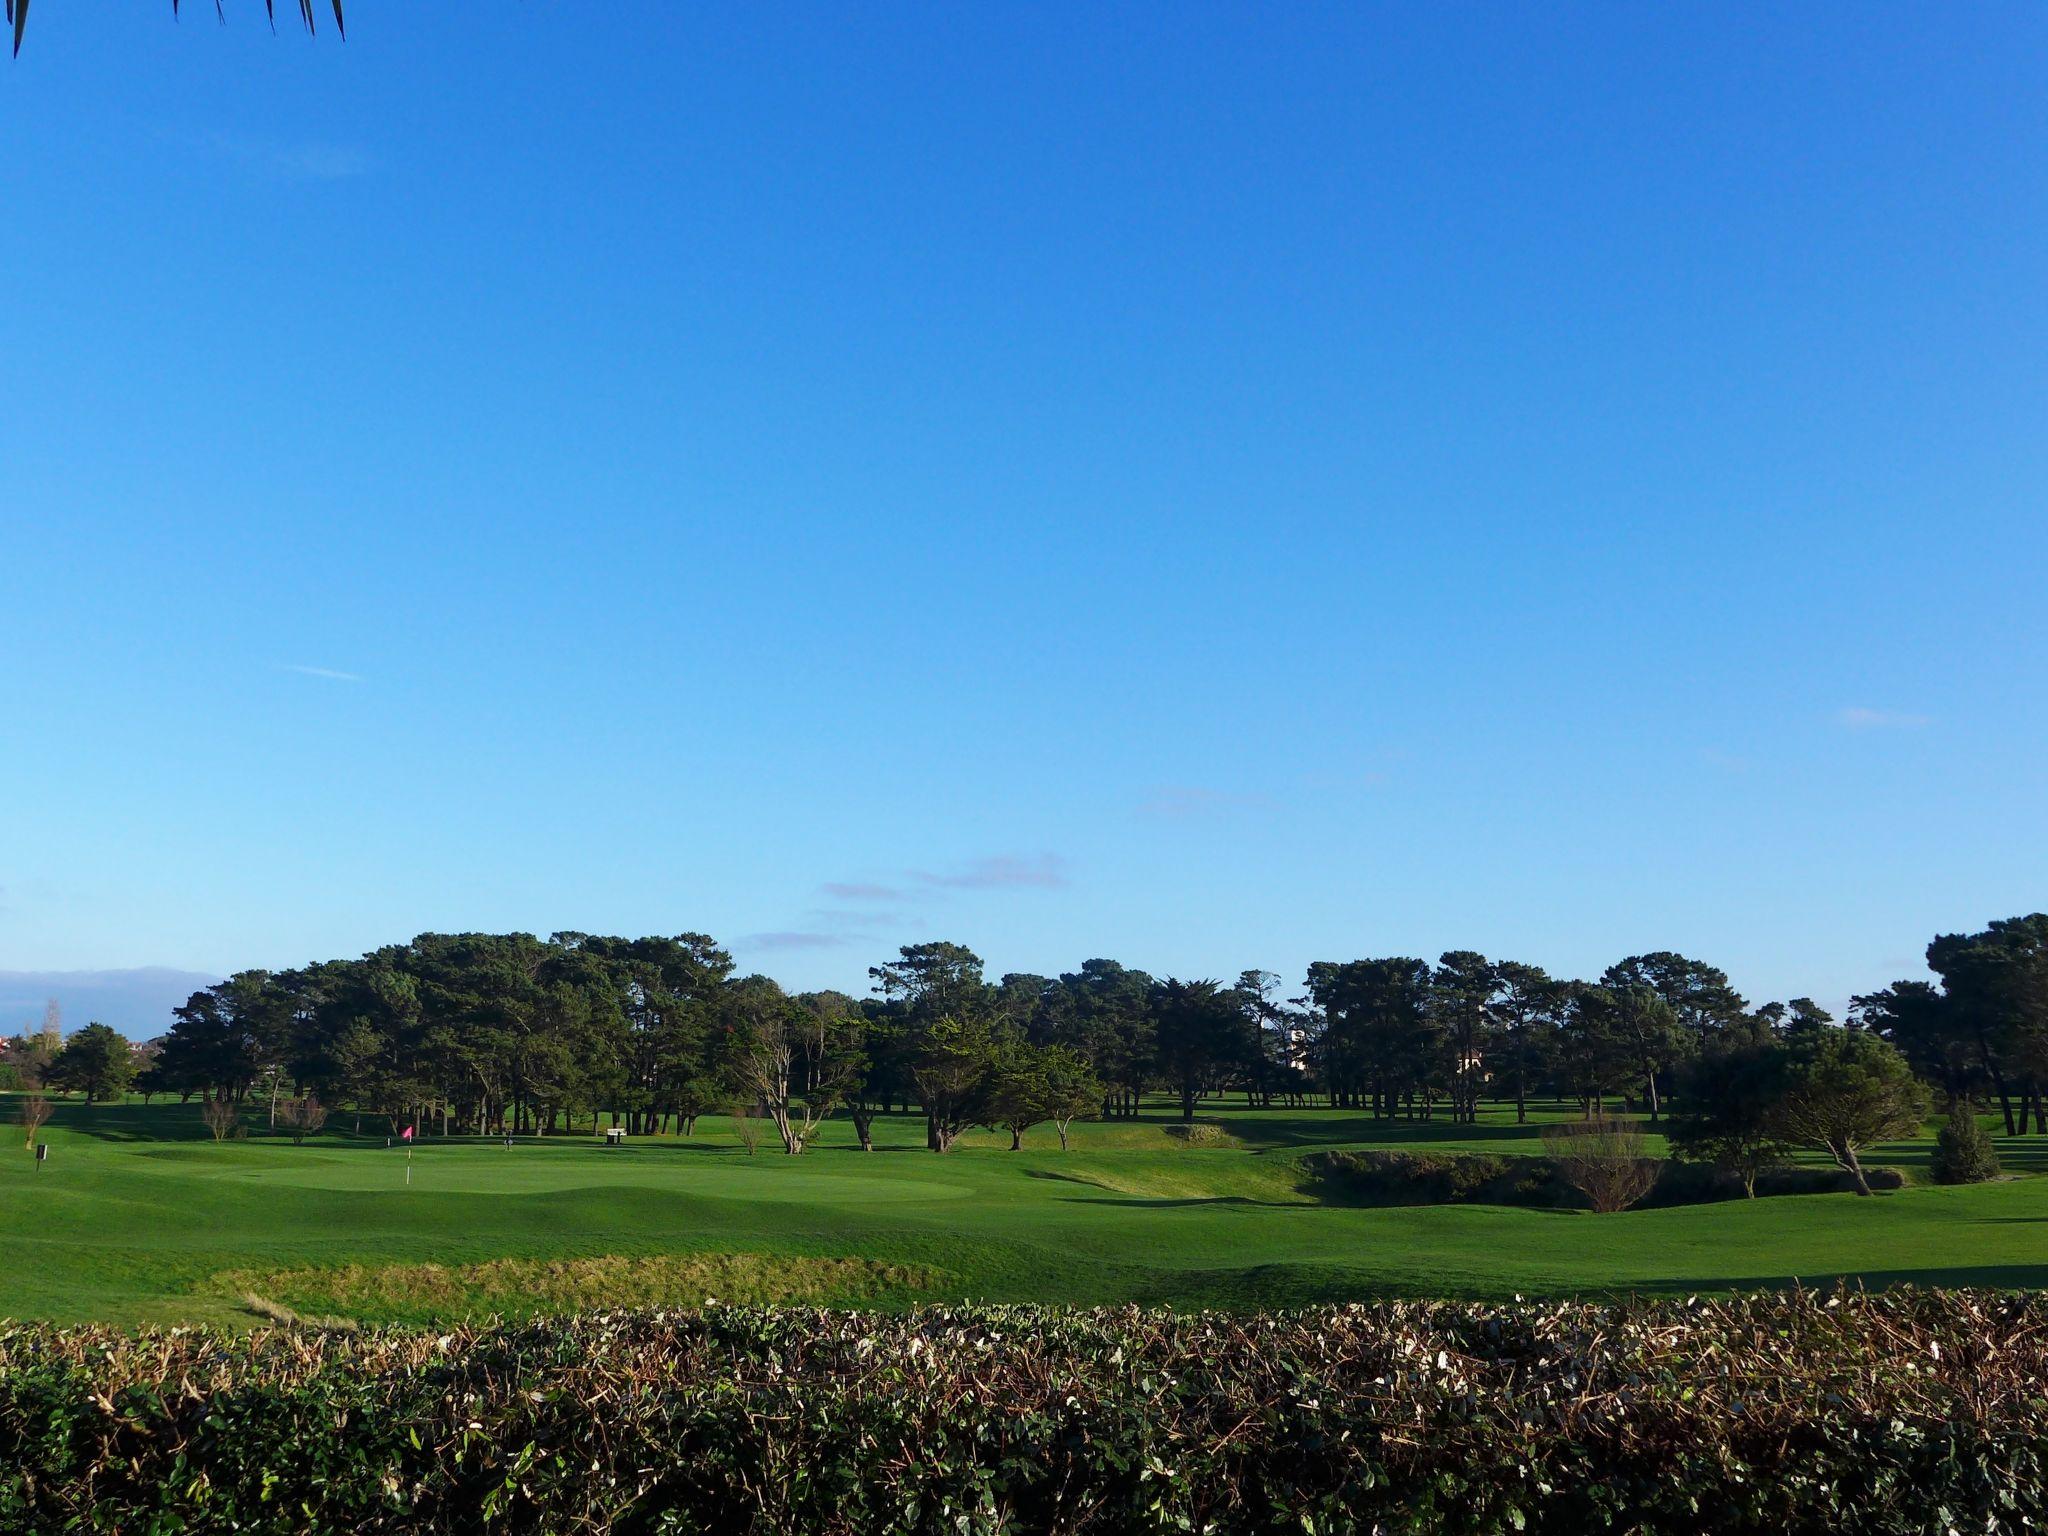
(139, 1217)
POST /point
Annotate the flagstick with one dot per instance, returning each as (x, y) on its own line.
(408, 1167)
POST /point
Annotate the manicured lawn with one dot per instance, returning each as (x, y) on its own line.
(139, 1216)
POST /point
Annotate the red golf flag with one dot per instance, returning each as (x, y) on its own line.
(406, 1134)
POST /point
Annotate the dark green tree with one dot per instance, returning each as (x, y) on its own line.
(1699, 994)
(1205, 1034)
(953, 1070)
(1104, 1011)
(1461, 1004)
(1996, 986)
(1529, 1010)
(97, 1062)
(1018, 1091)
(1963, 1151)
(1845, 1089)
(1595, 1053)
(1727, 1111)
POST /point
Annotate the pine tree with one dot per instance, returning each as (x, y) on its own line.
(1963, 1152)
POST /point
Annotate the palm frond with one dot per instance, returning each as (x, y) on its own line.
(17, 17)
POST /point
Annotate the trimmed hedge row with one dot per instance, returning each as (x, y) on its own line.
(1477, 1178)
(1908, 1411)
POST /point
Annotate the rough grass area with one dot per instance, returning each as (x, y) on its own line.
(379, 1293)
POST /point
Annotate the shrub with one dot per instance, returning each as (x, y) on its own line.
(302, 1118)
(220, 1116)
(1910, 1411)
(1963, 1151)
(1199, 1133)
(1348, 1177)
(1430, 1178)
(1604, 1158)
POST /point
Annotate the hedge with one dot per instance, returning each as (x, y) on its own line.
(1906, 1411)
(1374, 1177)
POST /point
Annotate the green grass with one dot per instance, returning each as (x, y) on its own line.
(139, 1216)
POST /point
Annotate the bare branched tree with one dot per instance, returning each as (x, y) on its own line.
(303, 1117)
(1605, 1158)
(219, 1114)
(35, 1114)
(796, 1061)
(746, 1121)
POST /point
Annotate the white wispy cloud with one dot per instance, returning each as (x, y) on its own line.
(1000, 872)
(1182, 802)
(785, 939)
(1858, 717)
(331, 674)
(860, 890)
(282, 159)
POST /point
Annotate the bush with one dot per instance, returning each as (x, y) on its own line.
(1426, 1178)
(1200, 1133)
(1963, 1151)
(1908, 1411)
(1442, 1178)
(1604, 1158)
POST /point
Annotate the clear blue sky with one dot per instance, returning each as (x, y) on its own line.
(1214, 487)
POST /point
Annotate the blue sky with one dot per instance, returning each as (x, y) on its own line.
(1211, 486)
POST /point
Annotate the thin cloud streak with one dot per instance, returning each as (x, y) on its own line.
(787, 940)
(1180, 802)
(329, 674)
(1001, 872)
(283, 160)
(853, 890)
(1857, 717)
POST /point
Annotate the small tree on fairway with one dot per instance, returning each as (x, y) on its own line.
(1846, 1088)
(1605, 1158)
(1069, 1087)
(1963, 1152)
(302, 1117)
(219, 1115)
(746, 1122)
(1016, 1094)
(35, 1114)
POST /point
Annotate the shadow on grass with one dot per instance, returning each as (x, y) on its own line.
(2005, 1277)
(1326, 1130)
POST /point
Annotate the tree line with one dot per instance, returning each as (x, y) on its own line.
(510, 1033)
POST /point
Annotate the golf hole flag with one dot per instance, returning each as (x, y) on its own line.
(406, 1134)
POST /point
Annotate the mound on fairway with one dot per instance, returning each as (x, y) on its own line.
(516, 1287)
